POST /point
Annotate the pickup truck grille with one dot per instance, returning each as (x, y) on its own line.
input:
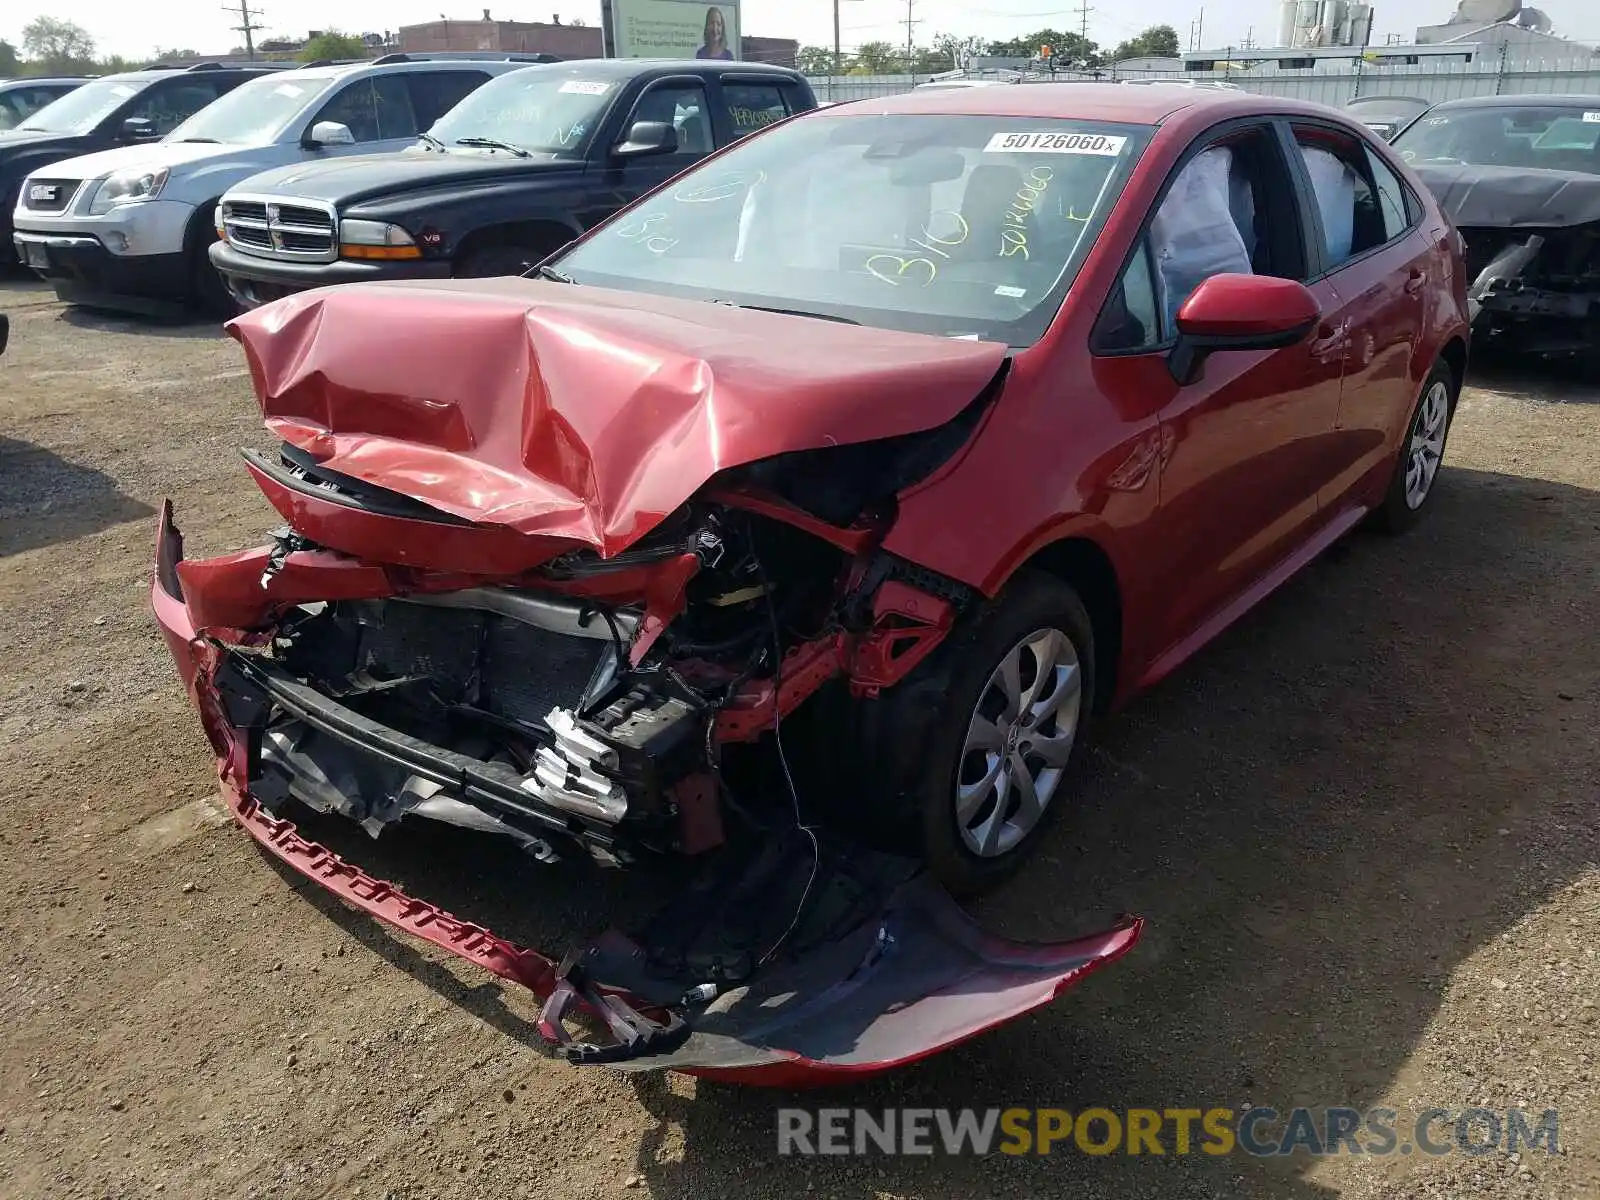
(48, 195)
(296, 230)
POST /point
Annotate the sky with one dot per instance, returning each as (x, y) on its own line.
(137, 29)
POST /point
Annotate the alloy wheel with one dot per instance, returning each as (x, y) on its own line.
(1426, 444)
(1018, 742)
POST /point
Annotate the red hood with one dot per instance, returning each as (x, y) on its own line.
(576, 412)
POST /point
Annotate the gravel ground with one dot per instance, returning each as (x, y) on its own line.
(1364, 826)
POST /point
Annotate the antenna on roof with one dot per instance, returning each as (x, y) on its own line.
(247, 25)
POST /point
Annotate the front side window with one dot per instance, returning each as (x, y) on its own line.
(963, 226)
(84, 108)
(253, 113)
(683, 106)
(539, 110)
(356, 108)
(1545, 137)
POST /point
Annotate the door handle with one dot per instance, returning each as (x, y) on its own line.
(1414, 280)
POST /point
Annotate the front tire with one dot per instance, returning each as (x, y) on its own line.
(978, 751)
(489, 262)
(1421, 453)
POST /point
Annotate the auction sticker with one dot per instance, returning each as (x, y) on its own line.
(582, 87)
(1105, 144)
(1592, 118)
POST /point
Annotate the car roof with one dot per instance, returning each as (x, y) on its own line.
(36, 80)
(1090, 102)
(1526, 100)
(628, 68)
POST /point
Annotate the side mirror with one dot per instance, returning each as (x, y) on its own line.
(138, 129)
(1239, 312)
(329, 133)
(648, 137)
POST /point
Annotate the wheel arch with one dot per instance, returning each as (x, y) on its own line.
(1454, 355)
(544, 234)
(1083, 564)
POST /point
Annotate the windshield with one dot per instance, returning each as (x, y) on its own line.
(962, 226)
(253, 113)
(1543, 137)
(538, 109)
(81, 110)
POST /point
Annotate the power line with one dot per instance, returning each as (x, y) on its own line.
(247, 25)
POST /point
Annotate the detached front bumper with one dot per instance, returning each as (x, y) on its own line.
(253, 280)
(794, 961)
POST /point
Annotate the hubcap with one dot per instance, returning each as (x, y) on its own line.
(1018, 742)
(1426, 447)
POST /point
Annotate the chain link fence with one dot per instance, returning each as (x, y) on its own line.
(1329, 82)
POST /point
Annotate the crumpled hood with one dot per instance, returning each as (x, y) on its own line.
(576, 412)
(1512, 197)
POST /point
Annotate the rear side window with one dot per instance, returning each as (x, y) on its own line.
(169, 104)
(434, 93)
(1394, 201)
(1343, 184)
(753, 106)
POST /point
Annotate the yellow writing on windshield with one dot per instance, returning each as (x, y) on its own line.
(1014, 232)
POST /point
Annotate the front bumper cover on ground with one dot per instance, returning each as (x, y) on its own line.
(879, 968)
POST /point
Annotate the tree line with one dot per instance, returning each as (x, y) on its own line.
(950, 52)
(55, 47)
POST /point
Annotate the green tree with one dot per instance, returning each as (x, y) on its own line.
(175, 55)
(1067, 49)
(878, 58)
(9, 65)
(818, 60)
(57, 46)
(1159, 41)
(333, 44)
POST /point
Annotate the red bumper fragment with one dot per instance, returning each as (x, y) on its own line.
(908, 976)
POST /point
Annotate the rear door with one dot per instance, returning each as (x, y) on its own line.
(1378, 263)
(1243, 446)
(749, 103)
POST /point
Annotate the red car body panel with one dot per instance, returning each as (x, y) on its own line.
(532, 418)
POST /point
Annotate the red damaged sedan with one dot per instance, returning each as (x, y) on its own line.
(798, 519)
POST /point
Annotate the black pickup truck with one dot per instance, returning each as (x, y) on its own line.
(510, 175)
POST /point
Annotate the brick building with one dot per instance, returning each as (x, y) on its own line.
(564, 41)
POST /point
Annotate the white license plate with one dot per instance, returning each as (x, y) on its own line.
(35, 255)
(42, 191)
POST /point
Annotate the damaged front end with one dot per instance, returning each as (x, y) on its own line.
(1535, 292)
(1532, 254)
(603, 683)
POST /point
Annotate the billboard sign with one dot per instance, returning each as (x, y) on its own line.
(672, 28)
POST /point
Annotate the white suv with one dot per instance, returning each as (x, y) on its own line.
(135, 233)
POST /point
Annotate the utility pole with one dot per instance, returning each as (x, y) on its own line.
(1249, 39)
(247, 25)
(1083, 11)
(838, 54)
(1197, 31)
(911, 23)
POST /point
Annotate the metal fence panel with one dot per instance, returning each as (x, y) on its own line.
(1326, 85)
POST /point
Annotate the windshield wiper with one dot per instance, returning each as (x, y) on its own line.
(208, 141)
(493, 144)
(789, 312)
(433, 141)
(550, 273)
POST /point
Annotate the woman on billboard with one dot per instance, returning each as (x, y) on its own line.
(715, 38)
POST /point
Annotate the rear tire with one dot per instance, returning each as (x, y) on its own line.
(945, 773)
(1416, 470)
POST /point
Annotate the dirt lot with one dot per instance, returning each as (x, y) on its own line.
(1365, 827)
